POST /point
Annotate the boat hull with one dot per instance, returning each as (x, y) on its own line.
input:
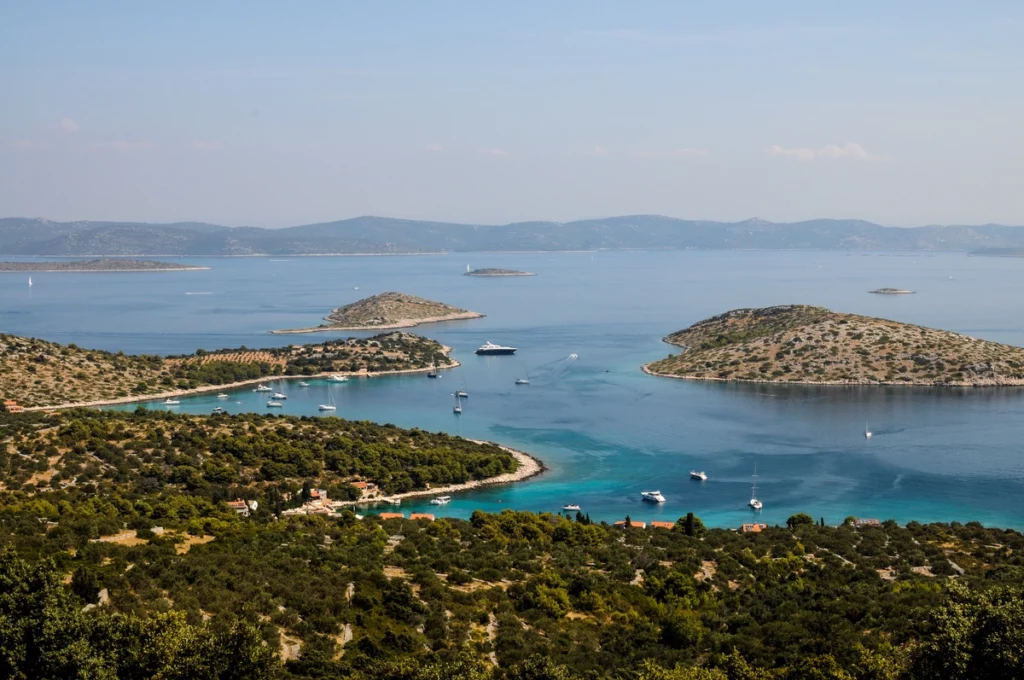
(502, 350)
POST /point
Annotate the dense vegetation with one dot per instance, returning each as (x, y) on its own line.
(35, 372)
(802, 344)
(390, 310)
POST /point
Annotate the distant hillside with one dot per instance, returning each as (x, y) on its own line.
(802, 344)
(388, 310)
(382, 235)
(106, 265)
(35, 372)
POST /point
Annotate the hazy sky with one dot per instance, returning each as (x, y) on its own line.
(284, 113)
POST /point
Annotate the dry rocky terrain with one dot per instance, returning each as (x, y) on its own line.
(388, 310)
(803, 344)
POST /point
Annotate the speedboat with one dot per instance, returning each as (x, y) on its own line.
(491, 348)
(222, 396)
(303, 384)
(262, 388)
(218, 410)
(274, 404)
(171, 402)
(278, 395)
(440, 500)
(328, 407)
(652, 496)
(702, 476)
(337, 378)
(571, 507)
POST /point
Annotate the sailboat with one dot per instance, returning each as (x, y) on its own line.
(754, 503)
(458, 405)
(867, 432)
(462, 394)
(433, 370)
(329, 406)
(30, 282)
(523, 381)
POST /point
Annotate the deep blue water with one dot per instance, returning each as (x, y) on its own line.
(606, 430)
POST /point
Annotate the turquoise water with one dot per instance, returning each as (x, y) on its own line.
(606, 430)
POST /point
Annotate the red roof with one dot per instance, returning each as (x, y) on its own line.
(632, 523)
(391, 515)
(422, 515)
(662, 525)
(753, 528)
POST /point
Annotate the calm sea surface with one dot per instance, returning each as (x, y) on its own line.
(606, 430)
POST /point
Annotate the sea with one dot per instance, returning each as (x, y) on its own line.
(584, 325)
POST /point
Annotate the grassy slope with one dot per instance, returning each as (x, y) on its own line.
(35, 372)
(802, 344)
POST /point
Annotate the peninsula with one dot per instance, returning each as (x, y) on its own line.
(813, 345)
(387, 311)
(102, 265)
(39, 374)
(497, 272)
(891, 291)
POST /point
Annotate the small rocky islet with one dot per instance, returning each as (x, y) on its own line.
(388, 311)
(497, 272)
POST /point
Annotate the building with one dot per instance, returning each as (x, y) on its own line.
(866, 522)
(662, 525)
(753, 528)
(243, 507)
(632, 523)
(422, 515)
(12, 406)
(391, 515)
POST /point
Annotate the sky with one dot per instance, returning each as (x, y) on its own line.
(275, 114)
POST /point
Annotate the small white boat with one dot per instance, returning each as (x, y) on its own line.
(219, 409)
(274, 404)
(440, 500)
(222, 396)
(303, 384)
(702, 476)
(754, 503)
(278, 395)
(337, 378)
(30, 282)
(867, 432)
(522, 381)
(329, 406)
(262, 388)
(171, 402)
(458, 406)
(571, 507)
(652, 496)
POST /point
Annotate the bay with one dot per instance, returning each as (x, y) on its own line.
(606, 430)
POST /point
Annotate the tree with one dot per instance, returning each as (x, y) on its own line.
(692, 525)
(799, 519)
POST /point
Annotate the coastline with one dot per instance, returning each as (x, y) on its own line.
(134, 399)
(529, 467)
(401, 323)
(101, 271)
(849, 383)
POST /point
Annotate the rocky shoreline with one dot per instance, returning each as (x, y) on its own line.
(397, 324)
(1006, 382)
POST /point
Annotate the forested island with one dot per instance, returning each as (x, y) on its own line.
(498, 272)
(388, 310)
(813, 345)
(127, 554)
(37, 373)
(103, 265)
(891, 291)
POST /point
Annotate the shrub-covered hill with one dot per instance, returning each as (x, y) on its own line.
(389, 310)
(803, 344)
(35, 372)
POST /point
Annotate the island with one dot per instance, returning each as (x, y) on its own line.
(102, 265)
(387, 311)
(813, 345)
(497, 272)
(36, 373)
(891, 291)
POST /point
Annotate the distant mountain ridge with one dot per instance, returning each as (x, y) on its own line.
(384, 235)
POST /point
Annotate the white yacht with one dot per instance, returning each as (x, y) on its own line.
(262, 388)
(491, 348)
(754, 503)
(303, 384)
(222, 396)
(329, 406)
(652, 496)
(274, 404)
(702, 476)
(171, 402)
(278, 395)
(219, 409)
(440, 500)
(337, 378)
(571, 507)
